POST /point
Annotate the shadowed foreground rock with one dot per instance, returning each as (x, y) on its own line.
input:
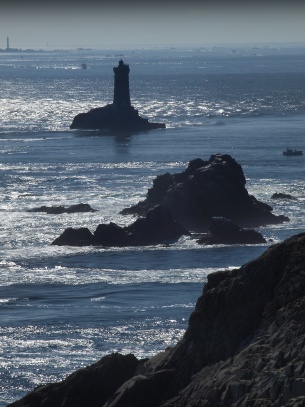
(224, 231)
(157, 227)
(206, 189)
(244, 346)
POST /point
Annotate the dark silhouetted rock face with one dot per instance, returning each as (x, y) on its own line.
(244, 346)
(157, 227)
(118, 117)
(207, 189)
(87, 387)
(224, 231)
(113, 118)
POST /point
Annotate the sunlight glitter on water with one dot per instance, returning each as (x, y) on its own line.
(16, 274)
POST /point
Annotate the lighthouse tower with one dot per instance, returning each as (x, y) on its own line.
(121, 96)
(119, 117)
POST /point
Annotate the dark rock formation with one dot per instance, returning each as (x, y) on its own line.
(75, 237)
(224, 231)
(118, 117)
(244, 346)
(281, 195)
(157, 227)
(57, 210)
(87, 387)
(206, 189)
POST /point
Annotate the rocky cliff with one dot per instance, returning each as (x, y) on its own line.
(244, 346)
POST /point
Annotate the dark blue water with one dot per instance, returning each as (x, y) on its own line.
(63, 308)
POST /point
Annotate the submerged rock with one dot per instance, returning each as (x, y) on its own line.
(207, 189)
(157, 227)
(118, 117)
(281, 195)
(58, 210)
(244, 346)
(224, 231)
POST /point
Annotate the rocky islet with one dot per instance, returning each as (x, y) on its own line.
(207, 195)
(117, 117)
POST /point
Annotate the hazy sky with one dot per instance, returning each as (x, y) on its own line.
(133, 23)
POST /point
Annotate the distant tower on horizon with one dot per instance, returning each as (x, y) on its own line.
(121, 96)
(7, 43)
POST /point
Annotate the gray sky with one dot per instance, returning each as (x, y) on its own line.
(133, 23)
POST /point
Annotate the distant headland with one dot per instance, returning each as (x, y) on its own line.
(120, 116)
(8, 49)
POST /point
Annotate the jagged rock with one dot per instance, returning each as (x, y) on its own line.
(57, 210)
(244, 346)
(118, 117)
(206, 189)
(224, 231)
(157, 227)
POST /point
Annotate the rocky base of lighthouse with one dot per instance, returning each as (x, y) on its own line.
(121, 119)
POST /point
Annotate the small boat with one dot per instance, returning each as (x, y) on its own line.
(84, 66)
(290, 151)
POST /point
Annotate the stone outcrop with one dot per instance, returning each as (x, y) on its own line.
(224, 231)
(118, 117)
(244, 346)
(206, 189)
(87, 387)
(58, 210)
(158, 226)
(114, 119)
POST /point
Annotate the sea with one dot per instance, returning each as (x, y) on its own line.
(63, 308)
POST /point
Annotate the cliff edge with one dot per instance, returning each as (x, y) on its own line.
(244, 346)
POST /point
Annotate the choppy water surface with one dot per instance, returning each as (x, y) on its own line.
(63, 308)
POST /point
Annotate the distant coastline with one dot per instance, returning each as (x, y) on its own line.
(27, 50)
(14, 50)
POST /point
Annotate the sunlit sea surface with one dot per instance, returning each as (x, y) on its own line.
(63, 308)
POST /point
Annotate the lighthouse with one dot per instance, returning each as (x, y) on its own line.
(121, 96)
(7, 43)
(118, 117)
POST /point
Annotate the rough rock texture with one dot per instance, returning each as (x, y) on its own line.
(157, 227)
(58, 210)
(224, 231)
(244, 347)
(206, 189)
